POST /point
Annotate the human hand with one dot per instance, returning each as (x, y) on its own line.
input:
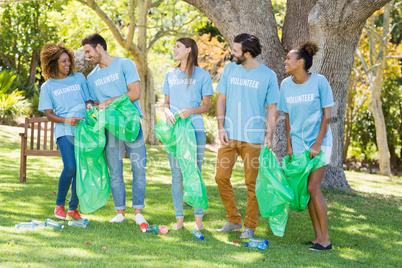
(184, 113)
(73, 121)
(268, 142)
(315, 150)
(170, 118)
(223, 136)
(289, 152)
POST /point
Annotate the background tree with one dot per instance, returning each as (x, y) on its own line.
(137, 26)
(378, 40)
(334, 25)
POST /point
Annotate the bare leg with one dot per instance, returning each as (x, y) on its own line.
(198, 221)
(179, 222)
(137, 211)
(318, 204)
(314, 220)
(122, 212)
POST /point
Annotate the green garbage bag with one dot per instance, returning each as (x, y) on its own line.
(92, 177)
(180, 142)
(273, 191)
(297, 172)
(122, 119)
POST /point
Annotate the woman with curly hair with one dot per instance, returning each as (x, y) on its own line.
(62, 98)
(306, 99)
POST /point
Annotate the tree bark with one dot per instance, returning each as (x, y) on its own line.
(334, 25)
(33, 65)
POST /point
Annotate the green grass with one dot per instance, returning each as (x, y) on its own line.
(365, 228)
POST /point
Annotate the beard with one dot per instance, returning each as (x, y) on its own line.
(239, 60)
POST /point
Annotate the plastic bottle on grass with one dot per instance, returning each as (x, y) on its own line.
(85, 221)
(25, 226)
(257, 240)
(151, 229)
(77, 224)
(38, 224)
(54, 224)
(260, 246)
(197, 235)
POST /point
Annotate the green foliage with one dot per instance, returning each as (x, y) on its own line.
(211, 129)
(212, 104)
(11, 104)
(24, 33)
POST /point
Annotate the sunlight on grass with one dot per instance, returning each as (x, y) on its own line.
(364, 226)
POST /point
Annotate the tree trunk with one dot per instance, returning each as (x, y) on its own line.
(33, 65)
(147, 100)
(375, 106)
(334, 25)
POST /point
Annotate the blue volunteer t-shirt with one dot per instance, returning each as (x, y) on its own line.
(112, 81)
(67, 98)
(247, 93)
(304, 104)
(187, 93)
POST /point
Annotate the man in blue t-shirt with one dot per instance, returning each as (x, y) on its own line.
(245, 88)
(111, 78)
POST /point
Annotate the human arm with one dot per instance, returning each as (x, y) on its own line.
(289, 150)
(203, 108)
(133, 93)
(272, 115)
(325, 121)
(220, 114)
(73, 121)
(168, 113)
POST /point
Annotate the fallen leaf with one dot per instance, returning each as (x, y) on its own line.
(355, 245)
(88, 243)
(334, 217)
(332, 203)
(236, 242)
(53, 192)
(104, 248)
(46, 194)
(12, 188)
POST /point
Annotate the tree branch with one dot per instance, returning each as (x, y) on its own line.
(362, 59)
(131, 27)
(112, 26)
(156, 4)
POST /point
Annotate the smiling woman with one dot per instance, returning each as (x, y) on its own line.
(63, 98)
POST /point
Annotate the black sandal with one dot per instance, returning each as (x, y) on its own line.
(318, 247)
(309, 243)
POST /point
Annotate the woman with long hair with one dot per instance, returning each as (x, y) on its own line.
(62, 98)
(307, 100)
(187, 89)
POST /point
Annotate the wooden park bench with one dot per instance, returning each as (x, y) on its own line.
(40, 137)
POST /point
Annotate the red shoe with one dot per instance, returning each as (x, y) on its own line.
(74, 214)
(59, 212)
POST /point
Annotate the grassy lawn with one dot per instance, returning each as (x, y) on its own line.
(365, 226)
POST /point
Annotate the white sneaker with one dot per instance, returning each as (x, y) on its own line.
(118, 218)
(139, 219)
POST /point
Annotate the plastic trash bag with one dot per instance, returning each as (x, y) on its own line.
(180, 143)
(277, 187)
(122, 119)
(273, 192)
(92, 177)
(297, 172)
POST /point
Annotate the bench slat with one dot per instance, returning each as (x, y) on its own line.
(42, 153)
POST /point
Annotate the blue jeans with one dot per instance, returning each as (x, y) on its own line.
(67, 176)
(177, 177)
(138, 158)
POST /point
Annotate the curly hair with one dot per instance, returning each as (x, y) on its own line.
(49, 57)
